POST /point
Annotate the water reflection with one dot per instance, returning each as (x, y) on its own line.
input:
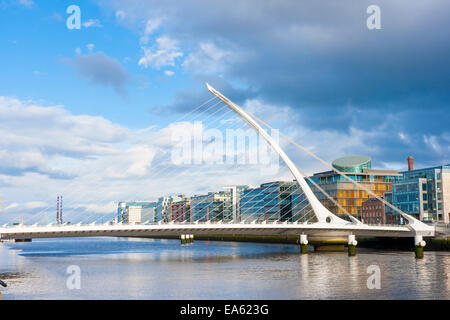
(121, 268)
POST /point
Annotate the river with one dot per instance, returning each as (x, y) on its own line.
(130, 268)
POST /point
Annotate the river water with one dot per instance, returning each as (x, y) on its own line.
(128, 268)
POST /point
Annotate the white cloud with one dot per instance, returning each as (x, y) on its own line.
(150, 27)
(92, 23)
(208, 58)
(432, 141)
(26, 205)
(134, 162)
(26, 3)
(39, 73)
(109, 207)
(57, 17)
(169, 73)
(164, 53)
(90, 47)
(33, 135)
(120, 14)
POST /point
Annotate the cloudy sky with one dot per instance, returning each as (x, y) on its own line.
(90, 113)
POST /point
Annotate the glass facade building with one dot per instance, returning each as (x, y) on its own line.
(344, 192)
(214, 206)
(273, 201)
(424, 193)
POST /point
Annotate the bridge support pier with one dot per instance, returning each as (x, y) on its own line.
(352, 243)
(183, 239)
(191, 238)
(419, 244)
(303, 244)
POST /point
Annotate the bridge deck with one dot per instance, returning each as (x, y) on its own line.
(154, 230)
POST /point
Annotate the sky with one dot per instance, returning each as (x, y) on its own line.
(91, 113)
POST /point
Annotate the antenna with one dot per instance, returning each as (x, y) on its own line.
(61, 210)
(58, 210)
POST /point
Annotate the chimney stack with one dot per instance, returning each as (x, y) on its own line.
(410, 163)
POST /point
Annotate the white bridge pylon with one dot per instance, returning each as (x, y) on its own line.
(322, 214)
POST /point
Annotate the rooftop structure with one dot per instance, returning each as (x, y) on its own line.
(355, 163)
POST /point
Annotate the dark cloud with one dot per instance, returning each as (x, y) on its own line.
(102, 70)
(187, 100)
(321, 53)
(19, 172)
(319, 58)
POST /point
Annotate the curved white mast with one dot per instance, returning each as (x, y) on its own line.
(322, 214)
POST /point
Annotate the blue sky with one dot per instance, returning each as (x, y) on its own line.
(92, 110)
(36, 44)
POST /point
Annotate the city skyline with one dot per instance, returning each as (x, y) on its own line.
(93, 109)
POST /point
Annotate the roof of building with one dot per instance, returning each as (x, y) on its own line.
(351, 161)
(365, 172)
(371, 200)
(425, 169)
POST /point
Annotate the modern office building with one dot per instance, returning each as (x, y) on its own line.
(214, 206)
(423, 193)
(252, 204)
(273, 201)
(136, 212)
(164, 205)
(358, 168)
(180, 211)
(236, 194)
(372, 212)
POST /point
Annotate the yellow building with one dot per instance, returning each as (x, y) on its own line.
(346, 193)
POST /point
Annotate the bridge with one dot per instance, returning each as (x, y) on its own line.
(219, 228)
(327, 224)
